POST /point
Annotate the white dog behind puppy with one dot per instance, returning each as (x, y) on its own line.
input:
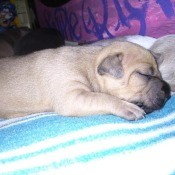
(144, 41)
(164, 49)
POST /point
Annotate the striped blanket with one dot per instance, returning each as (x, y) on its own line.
(49, 144)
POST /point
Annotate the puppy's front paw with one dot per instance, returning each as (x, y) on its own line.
(130, 111)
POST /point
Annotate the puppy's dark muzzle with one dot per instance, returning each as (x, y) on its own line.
(158, 94)
(166, 89)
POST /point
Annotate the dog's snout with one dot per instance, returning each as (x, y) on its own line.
(156, 97)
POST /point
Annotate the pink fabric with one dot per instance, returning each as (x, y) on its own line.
(90, 20)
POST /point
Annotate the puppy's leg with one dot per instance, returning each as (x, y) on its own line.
(82, 103)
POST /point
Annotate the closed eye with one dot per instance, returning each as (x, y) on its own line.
(146, 76)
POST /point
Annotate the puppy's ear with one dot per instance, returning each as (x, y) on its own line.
(111, 65)
(157, 57)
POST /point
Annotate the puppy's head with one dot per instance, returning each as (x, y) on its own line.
(130, 72)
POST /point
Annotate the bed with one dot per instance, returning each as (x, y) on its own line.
(48, 143)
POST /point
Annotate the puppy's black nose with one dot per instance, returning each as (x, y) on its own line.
(166, 89)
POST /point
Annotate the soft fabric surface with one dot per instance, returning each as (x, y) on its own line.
(48, 144)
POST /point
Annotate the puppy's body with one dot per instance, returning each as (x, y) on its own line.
(33, 78)
(164, 48)
(79, 81)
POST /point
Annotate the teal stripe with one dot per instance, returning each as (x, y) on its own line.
(90, 138)
(173, 172)
(117, 150)
(94, 156)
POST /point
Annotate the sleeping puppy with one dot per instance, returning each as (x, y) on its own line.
(120, 79)
(164, 51)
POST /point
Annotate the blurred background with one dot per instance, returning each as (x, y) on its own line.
(22, 13)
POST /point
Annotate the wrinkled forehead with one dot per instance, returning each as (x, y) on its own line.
(132, 53)
(144, 63)
(140, 56)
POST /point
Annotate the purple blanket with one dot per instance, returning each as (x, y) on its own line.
(89, 20)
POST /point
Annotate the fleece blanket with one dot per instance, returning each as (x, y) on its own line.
(50, 144)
